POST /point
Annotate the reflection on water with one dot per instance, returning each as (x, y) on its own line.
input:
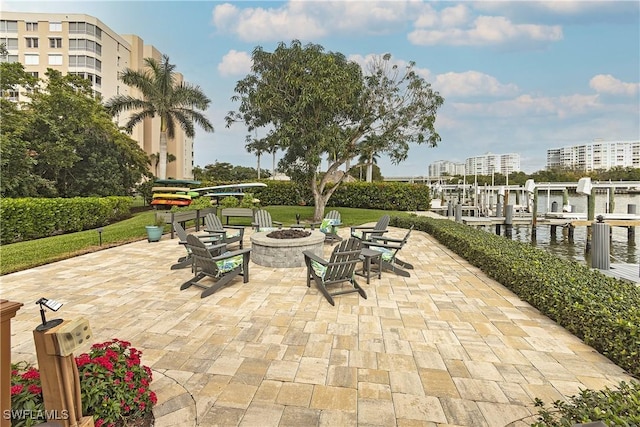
(621, 250)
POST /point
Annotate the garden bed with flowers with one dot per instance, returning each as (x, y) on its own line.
(114, 387)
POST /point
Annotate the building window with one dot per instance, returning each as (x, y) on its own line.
(85, 28)
(10, 44)
(31, 26)
(55, 59)
(31, 42)
(55, 42)
(31, 59)
(33, 74)
(84, 44)
(55, 26)
(9, 58)
(8, 26)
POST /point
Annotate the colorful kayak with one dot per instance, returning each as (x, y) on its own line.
(170, 202)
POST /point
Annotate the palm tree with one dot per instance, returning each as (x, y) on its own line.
(257, 146)
(175, 104)
(369, 154)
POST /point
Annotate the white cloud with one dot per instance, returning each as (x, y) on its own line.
(606, 83)
(485, 30)
(527, 105)
(235, 63)
(472, 83)
(308, 20)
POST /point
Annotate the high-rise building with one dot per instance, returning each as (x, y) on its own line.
(445, 167)
(83, 45)
(597, 155)
(489, 163)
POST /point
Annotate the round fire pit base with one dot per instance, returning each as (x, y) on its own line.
(284, 253)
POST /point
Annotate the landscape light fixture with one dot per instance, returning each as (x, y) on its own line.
(100, 235)
(52, 305)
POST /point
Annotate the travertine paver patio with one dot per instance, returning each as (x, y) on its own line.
(447, 346)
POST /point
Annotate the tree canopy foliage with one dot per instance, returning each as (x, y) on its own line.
(63, 143)
(226, 172)
(315, 104)
(176, 104)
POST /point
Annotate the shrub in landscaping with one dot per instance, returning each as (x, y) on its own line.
(364, 195)
(33, 218)
(603, 311)
(619, 407)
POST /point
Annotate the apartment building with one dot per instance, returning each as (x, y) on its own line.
(445, 167)
(489, 163)
(597, 155)
(83, 45)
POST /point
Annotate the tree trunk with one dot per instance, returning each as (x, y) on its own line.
(273, 164)
(258, 165)
(162, 162)
(370, 168)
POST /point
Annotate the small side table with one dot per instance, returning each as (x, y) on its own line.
(368, 257)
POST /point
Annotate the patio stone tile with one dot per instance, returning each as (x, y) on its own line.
(334, 418)
(334, 398)
(406, 382)
(236, 395)
(463, 412)
(375, 412)
(438, 383)
(423, 408)
(312, 370)
(221, 417)
(268, 391)
(479, 390)
(225, 365)
(483, 370)
(293, 394)
(295, 416)
(342, 376)
(262, 414)
(501, 414)
(396, 362)
(374, 391)
(363, 359)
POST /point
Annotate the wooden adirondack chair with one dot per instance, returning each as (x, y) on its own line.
(365, 233)
(329, 226)
(339, 269)
(222, 268)
(262, 221)
(390, 247)
(228, 233)
(211, 242)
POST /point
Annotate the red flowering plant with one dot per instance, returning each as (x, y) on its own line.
(114, 385)
(26, 396)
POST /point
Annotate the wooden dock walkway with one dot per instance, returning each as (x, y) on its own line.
(624, 271)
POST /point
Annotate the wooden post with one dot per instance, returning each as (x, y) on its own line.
(631, 231)
(534, 214)
(8, 311)
(591, 209)
(60, 380)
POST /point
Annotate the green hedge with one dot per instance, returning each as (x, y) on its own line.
(33, 218)
(363, 195)
(604, 312)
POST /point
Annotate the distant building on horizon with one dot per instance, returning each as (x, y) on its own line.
(489, 163)
(83, 45)
(445, 168)
(597, 155)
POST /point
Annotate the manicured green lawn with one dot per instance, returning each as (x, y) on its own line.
(25, 255)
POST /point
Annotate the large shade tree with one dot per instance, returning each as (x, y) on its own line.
(315, 104)
(176, 104)
(63, 143)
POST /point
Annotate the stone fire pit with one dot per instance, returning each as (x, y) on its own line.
(284, 253)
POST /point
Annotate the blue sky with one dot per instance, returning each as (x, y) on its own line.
(517, 77)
